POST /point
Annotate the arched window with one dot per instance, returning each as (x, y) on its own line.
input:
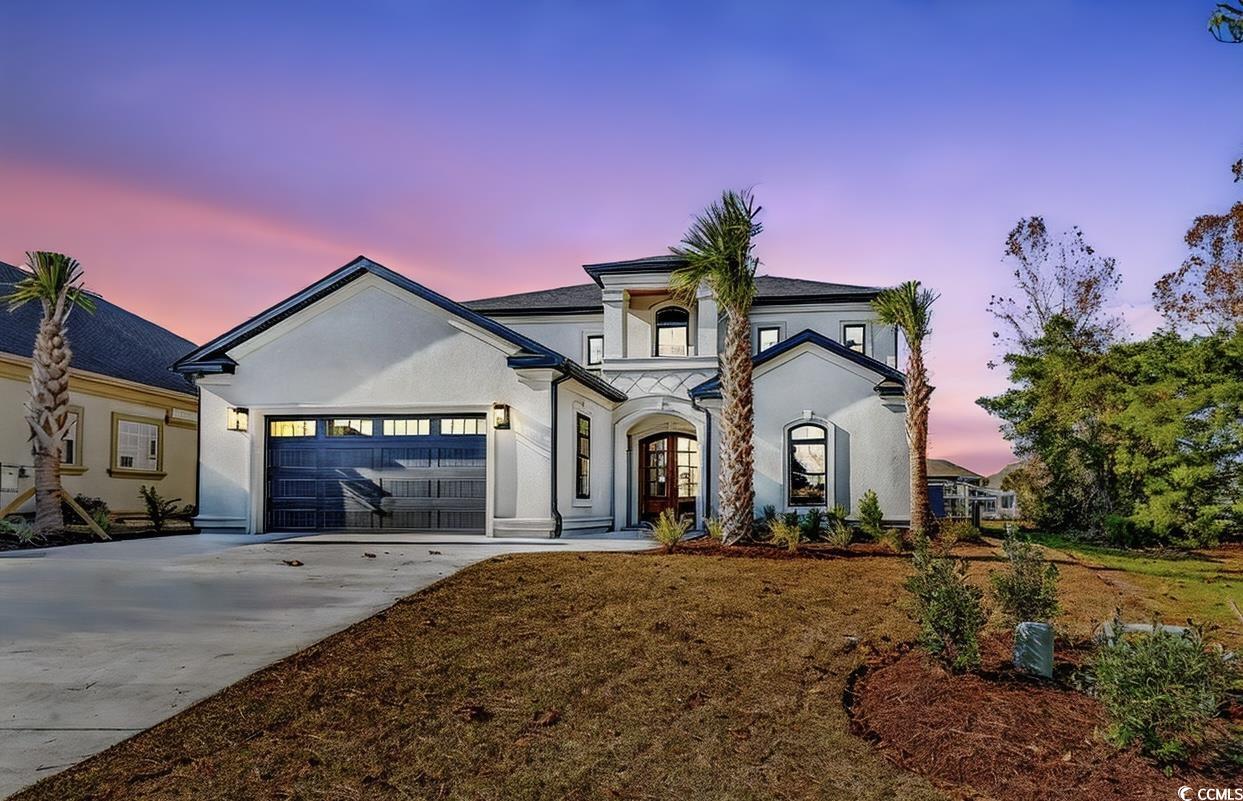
(672, 329)
(807, 477)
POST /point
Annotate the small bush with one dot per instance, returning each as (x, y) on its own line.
(894, 539)
(1162, 690)
(947, 609)
(812, 524)
(669, 529)
(784, 533)
(159, 508)
(955, 531)
(715, 529)
(20, 529)
(765, 519)
(1027, 589)
(840, 532)
(871, 518)
(92, 506)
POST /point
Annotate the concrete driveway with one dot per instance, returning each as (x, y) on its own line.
(98, 642)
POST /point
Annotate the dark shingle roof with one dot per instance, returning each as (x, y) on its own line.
(771, 290)
(112, 341)
(944, 468)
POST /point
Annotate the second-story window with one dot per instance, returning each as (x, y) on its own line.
(766, 337)
(595, 350)
(672, 331)
(853, 336)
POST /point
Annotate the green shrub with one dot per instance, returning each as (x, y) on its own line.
(669, 529)
(871, 517)
(784, 533)
(812, 524)
(1027, 588)
(159, 508)
(92, 506)
(958, 530)
(947, 609)
(1162, 690)
(20, 529)
(893, 539)
(715, 529)
(763, 521)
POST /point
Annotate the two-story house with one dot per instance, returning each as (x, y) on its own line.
(367, 401)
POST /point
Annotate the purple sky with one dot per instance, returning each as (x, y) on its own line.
(203, 162)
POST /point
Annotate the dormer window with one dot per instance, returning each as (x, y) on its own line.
(672, 331)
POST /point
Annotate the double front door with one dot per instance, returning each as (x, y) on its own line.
(668, 475)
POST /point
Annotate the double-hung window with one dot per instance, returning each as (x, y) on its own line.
(766, 337)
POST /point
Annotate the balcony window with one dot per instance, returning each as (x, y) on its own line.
(672, 331)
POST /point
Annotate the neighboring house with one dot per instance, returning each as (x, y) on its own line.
(135, 421)
(367, 401)
(960, 489)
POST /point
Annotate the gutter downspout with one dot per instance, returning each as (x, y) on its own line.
(556, 513)
(706, 454)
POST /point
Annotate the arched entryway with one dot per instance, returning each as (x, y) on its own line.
(669, 475)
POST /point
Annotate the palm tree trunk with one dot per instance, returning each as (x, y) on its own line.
(737, 471)
(46, 414)
(918, 395)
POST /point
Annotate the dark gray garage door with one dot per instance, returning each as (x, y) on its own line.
(411, 473)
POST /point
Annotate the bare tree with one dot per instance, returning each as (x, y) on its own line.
(1056, 276)
(1207, 291)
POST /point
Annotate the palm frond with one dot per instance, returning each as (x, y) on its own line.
(909, 307)
(51, 276)
(719, 252)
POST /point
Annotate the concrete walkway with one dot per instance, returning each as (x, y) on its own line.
(98, 642)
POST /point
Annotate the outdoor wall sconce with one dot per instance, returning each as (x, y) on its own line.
(238, 419)
(500, 416)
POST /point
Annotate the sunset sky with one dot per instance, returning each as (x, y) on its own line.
(204, 162)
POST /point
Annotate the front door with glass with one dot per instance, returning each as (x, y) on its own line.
(668, 476)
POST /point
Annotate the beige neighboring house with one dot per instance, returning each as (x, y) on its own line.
(136, 420)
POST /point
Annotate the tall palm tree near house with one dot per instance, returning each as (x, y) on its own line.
(55, 282)
(719, 254)
(909, 307)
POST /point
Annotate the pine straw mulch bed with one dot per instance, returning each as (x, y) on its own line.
(1004, 734)
(704, 546)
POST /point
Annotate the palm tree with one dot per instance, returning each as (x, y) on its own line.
(55, 281)
(909, 307)
(718, 250)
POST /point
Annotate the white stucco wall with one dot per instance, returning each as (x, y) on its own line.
(566, 334)
(867, 434)
(828, 320)
(374, 348)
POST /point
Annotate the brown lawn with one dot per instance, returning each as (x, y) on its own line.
(609, 676)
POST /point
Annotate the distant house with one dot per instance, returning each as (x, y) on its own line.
(135, 421)
(960, 489)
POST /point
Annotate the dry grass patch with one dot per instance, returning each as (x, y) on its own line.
(563, 676)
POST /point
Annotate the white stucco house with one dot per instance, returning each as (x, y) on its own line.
(368, 401)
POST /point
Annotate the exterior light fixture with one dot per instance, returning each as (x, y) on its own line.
(238, 419)
(500, 416)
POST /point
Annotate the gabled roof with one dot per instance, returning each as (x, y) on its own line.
(771, 290)
(890, 377)
(111, 341)
(944, 468)
(213, 357)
